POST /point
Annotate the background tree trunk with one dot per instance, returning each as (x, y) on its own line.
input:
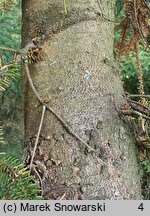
(84, 90)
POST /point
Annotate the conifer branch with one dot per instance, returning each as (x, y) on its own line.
(138, 95)
(135, 113)
(10, 50)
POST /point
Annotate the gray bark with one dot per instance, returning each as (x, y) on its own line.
(84, 90)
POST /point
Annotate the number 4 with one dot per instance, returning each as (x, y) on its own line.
(141, 207)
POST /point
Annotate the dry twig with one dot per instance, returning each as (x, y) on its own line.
(37, 137)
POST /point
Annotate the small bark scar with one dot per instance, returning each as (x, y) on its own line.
(94, 139)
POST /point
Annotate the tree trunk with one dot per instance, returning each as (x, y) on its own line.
(84, 89)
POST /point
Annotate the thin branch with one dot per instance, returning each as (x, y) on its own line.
(37, 137)
(134, 113)
(32, 85)
(10, 50)
(51, 110)
(57, 116)
(146, 5)
(138, 104)
(135, 105)
(63, 196)
(65, 8)
(2, 69)
(34, 169)
(138, 95)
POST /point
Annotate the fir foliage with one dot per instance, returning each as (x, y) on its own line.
(16, 182)
(11, 113)
(9, 74)
(10, 28)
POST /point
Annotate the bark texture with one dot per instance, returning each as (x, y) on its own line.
(84, 90)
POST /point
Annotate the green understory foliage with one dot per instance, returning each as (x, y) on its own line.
(10, 28)
(146, 179)
(129, 72)
(11, 112)
(16, 182)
